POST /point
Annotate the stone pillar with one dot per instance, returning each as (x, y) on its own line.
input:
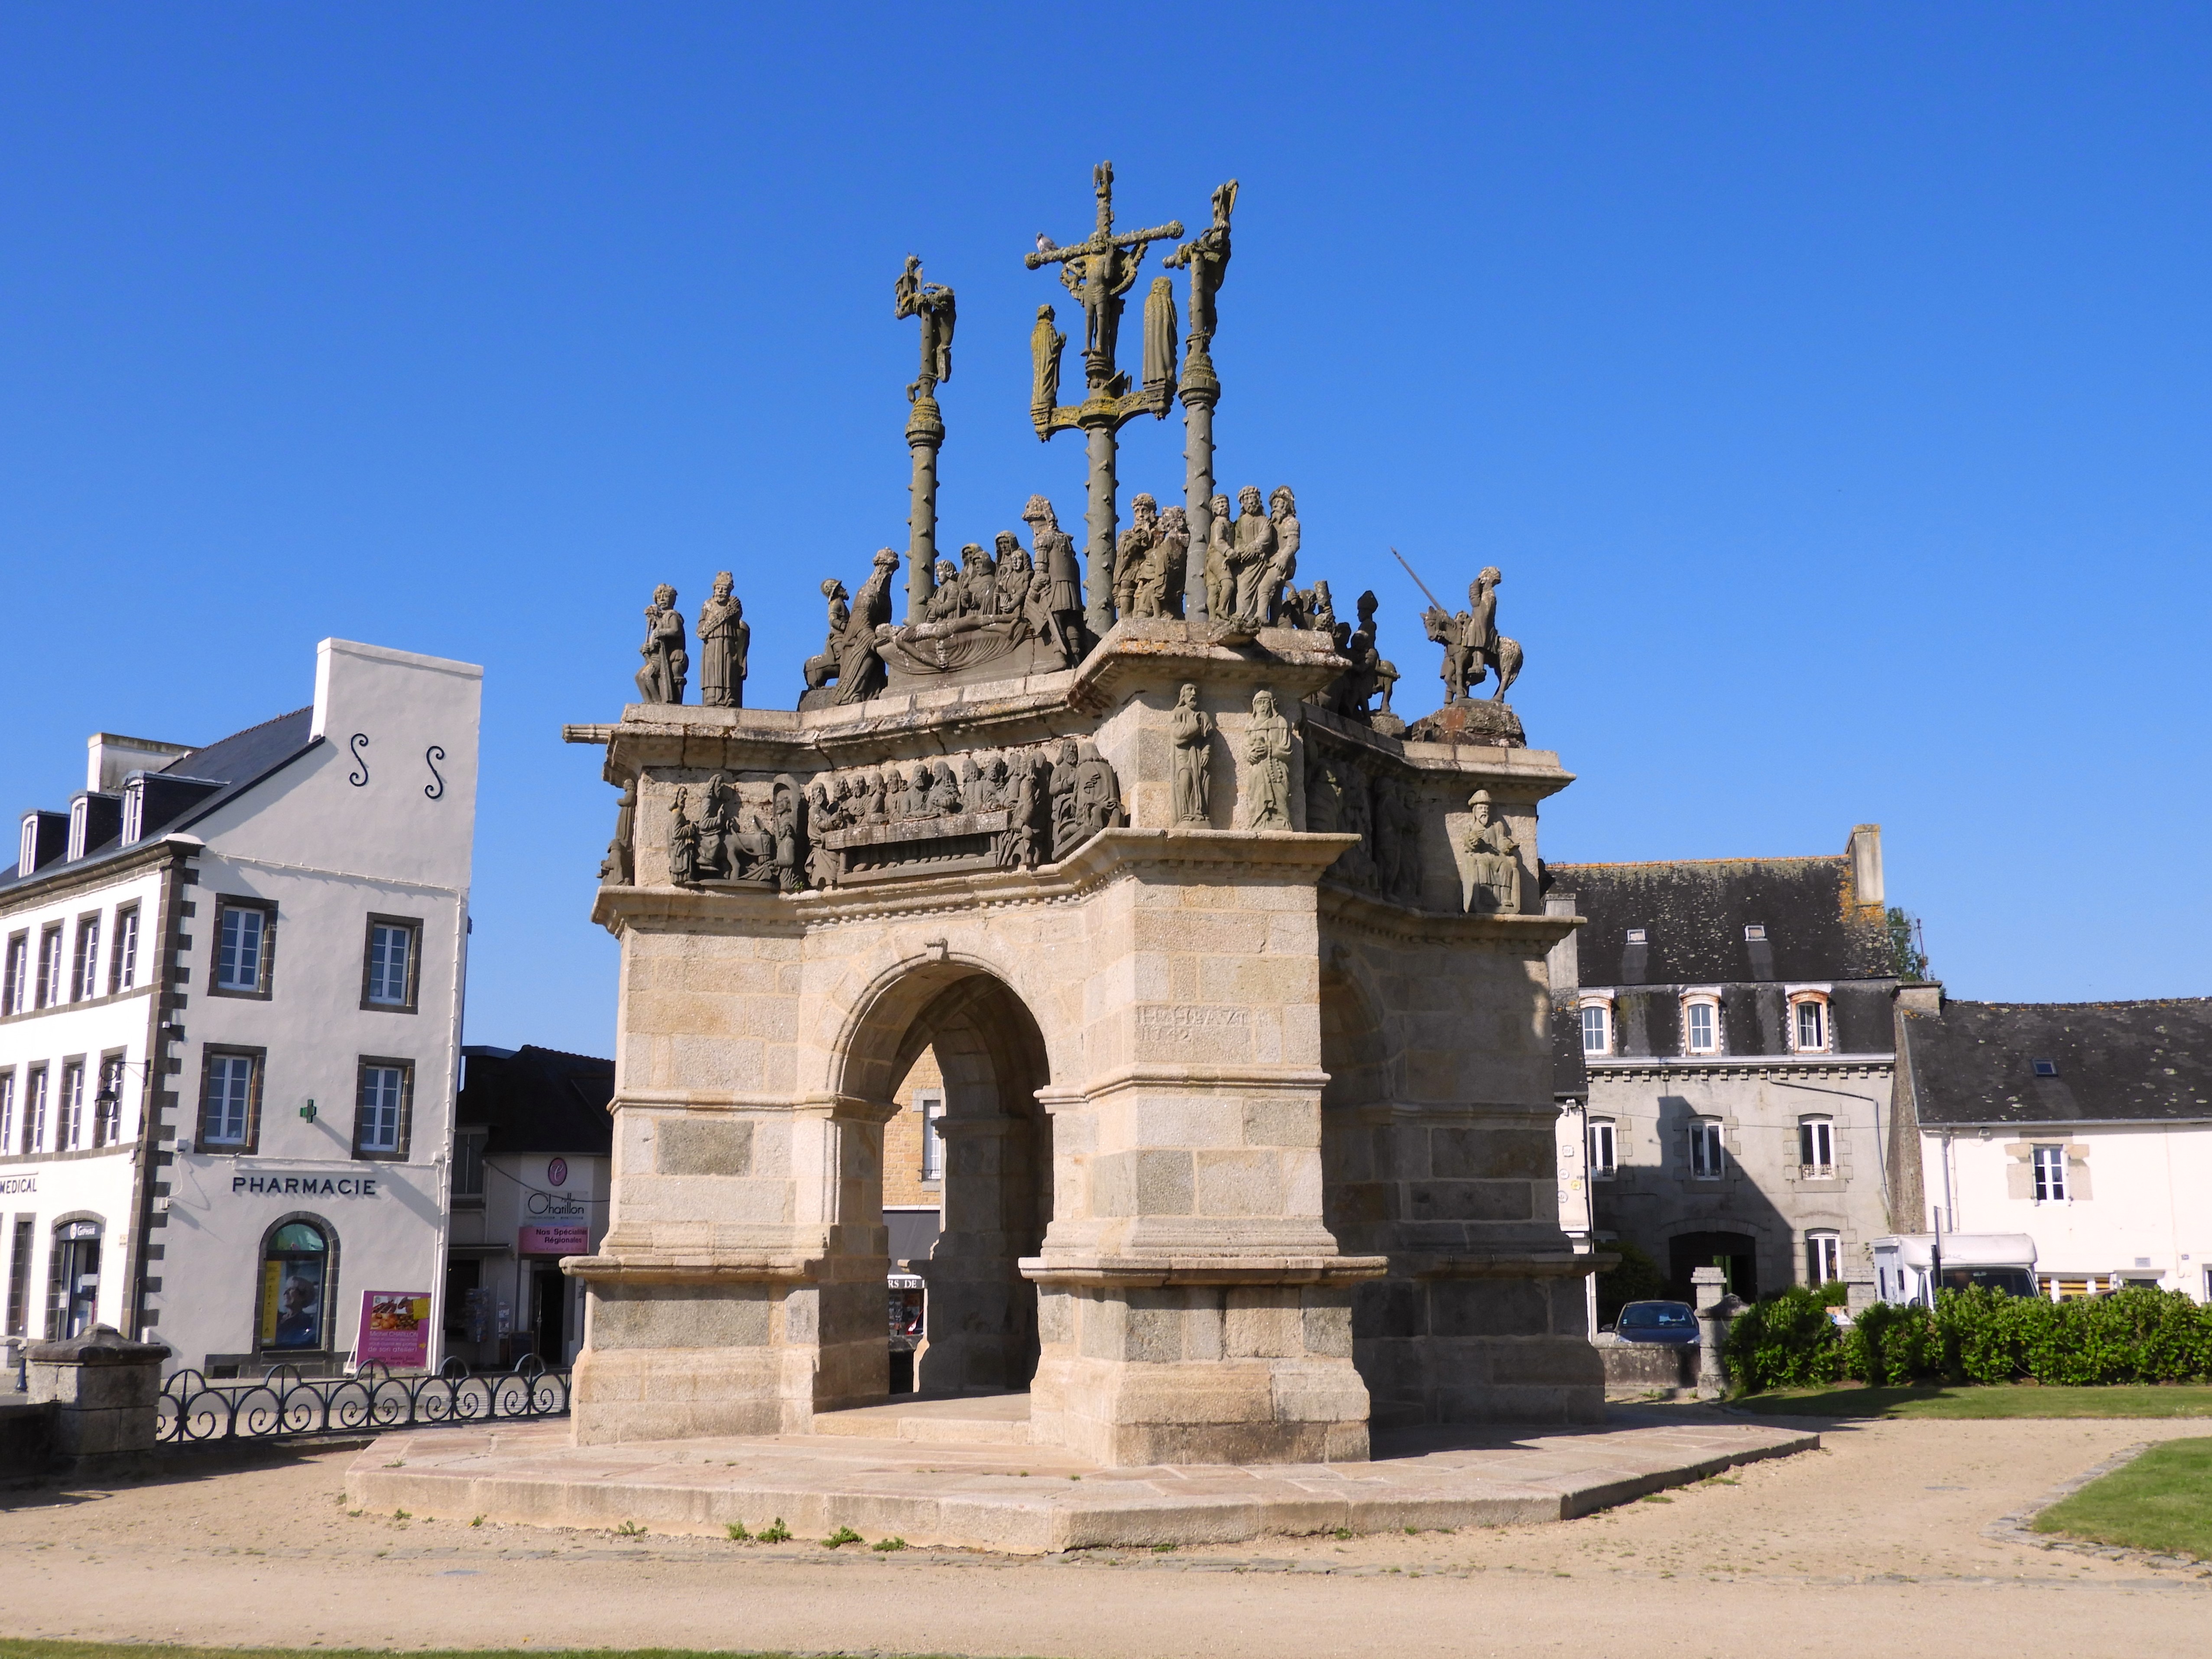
(104, 1389)
(1101, 520)
(1201, 392)
(925, 436)
(1709, 1286)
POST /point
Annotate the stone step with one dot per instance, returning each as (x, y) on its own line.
(995, 1419)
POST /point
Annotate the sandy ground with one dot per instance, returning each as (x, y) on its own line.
(1873, 1544)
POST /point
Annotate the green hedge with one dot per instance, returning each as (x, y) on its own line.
(2135, 1335)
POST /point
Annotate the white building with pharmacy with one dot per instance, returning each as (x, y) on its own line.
(230, 1017)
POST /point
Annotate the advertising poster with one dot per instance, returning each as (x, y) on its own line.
(395, 1328)
(554, 1241)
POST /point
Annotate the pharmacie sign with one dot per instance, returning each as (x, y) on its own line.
(305, 1186)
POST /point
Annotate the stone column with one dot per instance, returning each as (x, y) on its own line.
(104, 1389)
(1709, 1286)
(1201, 392)
(925, 436)
(1102, 519)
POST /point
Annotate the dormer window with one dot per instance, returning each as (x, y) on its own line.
(1755, 932)
(1595, 1014)
(80, 821)
(1636, 936)
(27, 848)
(1701, 1022)
(1811, 1030)
(134, 812)
(2046, 1068)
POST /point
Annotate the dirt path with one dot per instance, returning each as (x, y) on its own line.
(1874, 1545)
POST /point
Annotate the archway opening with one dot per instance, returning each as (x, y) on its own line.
(967, 1176)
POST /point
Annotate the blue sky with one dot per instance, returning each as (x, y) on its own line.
(1832, 384)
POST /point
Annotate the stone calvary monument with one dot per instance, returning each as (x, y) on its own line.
(1236, 982)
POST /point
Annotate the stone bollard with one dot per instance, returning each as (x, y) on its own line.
(1709, 1286)
(104, 1389)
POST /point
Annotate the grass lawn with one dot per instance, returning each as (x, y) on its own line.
(2003, 1399)
(2161, 1501)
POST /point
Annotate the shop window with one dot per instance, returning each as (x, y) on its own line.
(1603, 1149)
(245, 938)
(122, 955)
(1706, 1155)
(230, 1109)
(1816, 1148)
(298, 1286)
(1824, 1258)
(1598, 1028)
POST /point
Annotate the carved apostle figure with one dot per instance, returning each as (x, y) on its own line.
(1251, 555)
(619, 868)
(1267, 760)
(1045, 343)
(1283, 513)
(1160, 336)
(1161, 593)
(1055, 556)
(1493, 860)
(1221, 581)
(1133, 553)
(1190, 729)
(724, 637)
(666, 662)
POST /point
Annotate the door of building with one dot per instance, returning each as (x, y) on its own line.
(549, 1307)
(77, 1277)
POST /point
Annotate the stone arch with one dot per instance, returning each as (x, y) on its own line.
(880, 996)
(998, 1183)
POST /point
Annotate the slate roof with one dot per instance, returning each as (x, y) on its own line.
(1693, 913)
(2117, 1062)
(538, 1100)
(237, 762)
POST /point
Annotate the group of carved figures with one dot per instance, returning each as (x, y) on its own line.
(725, 638)
(1036, 804)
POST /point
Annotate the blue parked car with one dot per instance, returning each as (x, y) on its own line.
(1656, 1321)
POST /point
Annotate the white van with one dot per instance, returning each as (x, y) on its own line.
(1905, 1264)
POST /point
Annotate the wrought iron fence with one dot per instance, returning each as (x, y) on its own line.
(284, 1403)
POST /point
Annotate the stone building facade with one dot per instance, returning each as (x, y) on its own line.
(1248, 1131)
(1733, 1018)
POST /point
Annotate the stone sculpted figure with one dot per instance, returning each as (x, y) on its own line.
(1493, 860)
(932, 303)
(619, 867)
(860, 671)
(1370, 671)
(666, 662)
(1133, 553)
(1056, 557)
(724, 639)
(1160, 344)
(1472, 642)
(945, 800)
(1010, 597)
(1206, 255)
(1220, 579)
(787, 824)
(683, 841)
(1045, 343)
(1283, 512)
(1267, 757)
(1097, 793)
(1251, 555)
(993, 794)
(1190, 729)
(1030, 824)
(1061, 785)
(1160, 593)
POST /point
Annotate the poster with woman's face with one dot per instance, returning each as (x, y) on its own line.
(298, 1305)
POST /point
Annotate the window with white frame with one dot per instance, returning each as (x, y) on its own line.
(229, 1104)
(380, 1115)
(1604, 1149)
(134, 813)
(241, 951)
(1597, 1027)
(68, 1117)
(930, 1102)
(14, 980)
(388, 968)
(48, 990)
(1701, 1025)
(122, 954)
(1824, 1258)
(2049, 1175)
(7, 1109)
(1705, 1154)
(1816, 1148)
(107, 1102)
(1808, 1025)
(26, 846)
(34, 1111)
(84, 969)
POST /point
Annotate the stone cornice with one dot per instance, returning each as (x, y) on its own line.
(1126, 1272)
(1349, 907)
(1521, 773)
(1631, 1065)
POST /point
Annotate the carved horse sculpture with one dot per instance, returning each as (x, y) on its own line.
(1465, 666)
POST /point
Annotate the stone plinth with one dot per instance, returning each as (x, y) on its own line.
(1245, 1130)
(104, 1390)
(1486, 721)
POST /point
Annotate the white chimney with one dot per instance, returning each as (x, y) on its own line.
(1866, 863)
(109, 759)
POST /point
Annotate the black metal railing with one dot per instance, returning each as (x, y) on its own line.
(284, 1404)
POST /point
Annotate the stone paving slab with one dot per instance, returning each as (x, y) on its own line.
(1034, 1499)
